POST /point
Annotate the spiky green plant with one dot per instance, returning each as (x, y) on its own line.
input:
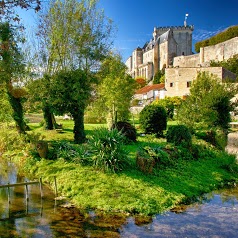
(107, 150)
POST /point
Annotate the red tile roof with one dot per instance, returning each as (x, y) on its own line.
(148, 88)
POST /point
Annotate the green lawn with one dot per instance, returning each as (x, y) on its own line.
(132, 191)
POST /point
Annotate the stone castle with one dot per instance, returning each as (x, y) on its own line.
(171, 49)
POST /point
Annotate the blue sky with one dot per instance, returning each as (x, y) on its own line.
(135, 19)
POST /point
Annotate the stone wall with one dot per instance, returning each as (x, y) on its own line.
(187, 61)
(219, 52)
(178, 80)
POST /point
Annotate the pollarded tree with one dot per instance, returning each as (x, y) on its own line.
(73, 36)
(209, 104)
(12, 69)
(70, 91)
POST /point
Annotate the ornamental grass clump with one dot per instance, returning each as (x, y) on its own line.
(107, 150)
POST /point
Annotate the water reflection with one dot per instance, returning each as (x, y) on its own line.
(215, 215)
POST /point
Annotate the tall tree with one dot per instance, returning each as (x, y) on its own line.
(115, 89)
(73, 34)
(8, 8)
(209, 103)
(75, 37)
(12, 69)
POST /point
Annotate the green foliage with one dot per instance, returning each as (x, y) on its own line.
(228, 34)
(179, 134)
(159, 77)
(182, 174)
(170, 104)
(115, 89)
(73, 34)
(70, 91)
(12, 71)
(107, 150)
(209, 104)
(217, 138)
(149, 158)
(126, 129)
(10, 139)
(230, 64)
(153, 119)
(5, 107)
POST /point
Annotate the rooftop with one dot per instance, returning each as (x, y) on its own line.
(148, 88)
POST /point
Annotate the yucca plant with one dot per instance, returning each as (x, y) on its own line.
(107, 150)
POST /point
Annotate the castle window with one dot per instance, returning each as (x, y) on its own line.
(171, 85)
(189, 83)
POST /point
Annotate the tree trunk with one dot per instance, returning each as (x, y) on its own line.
(18, 115)
(79, 133)
(48, 117)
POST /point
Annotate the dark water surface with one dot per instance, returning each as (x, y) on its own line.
(216, 215)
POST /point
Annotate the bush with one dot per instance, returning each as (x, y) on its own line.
(153, 119)
(179, 134)
(107, 151)
(127, 129)
(217, 138)
(149, 157)
(10, 139)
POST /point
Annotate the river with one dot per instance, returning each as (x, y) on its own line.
(215, 215)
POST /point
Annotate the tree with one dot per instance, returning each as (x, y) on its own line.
(70, 91)
(159, 77)
(153, 119)
(8, 7)
(209, 104)
(5, 107)
(140, 83)
(73, 36)
(12, 69)
(170, 104)
(39, 98)
(115, 89)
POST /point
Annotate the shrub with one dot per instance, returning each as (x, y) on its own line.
(10, 139)
(179, 134)
(217, 138)
(149, 157)
(153, 119)
(127, 129)
(67, 151)
(107, 151)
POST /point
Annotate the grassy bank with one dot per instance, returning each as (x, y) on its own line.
(182, 179)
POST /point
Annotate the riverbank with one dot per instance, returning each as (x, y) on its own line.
(187, 174)
(132, 191)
